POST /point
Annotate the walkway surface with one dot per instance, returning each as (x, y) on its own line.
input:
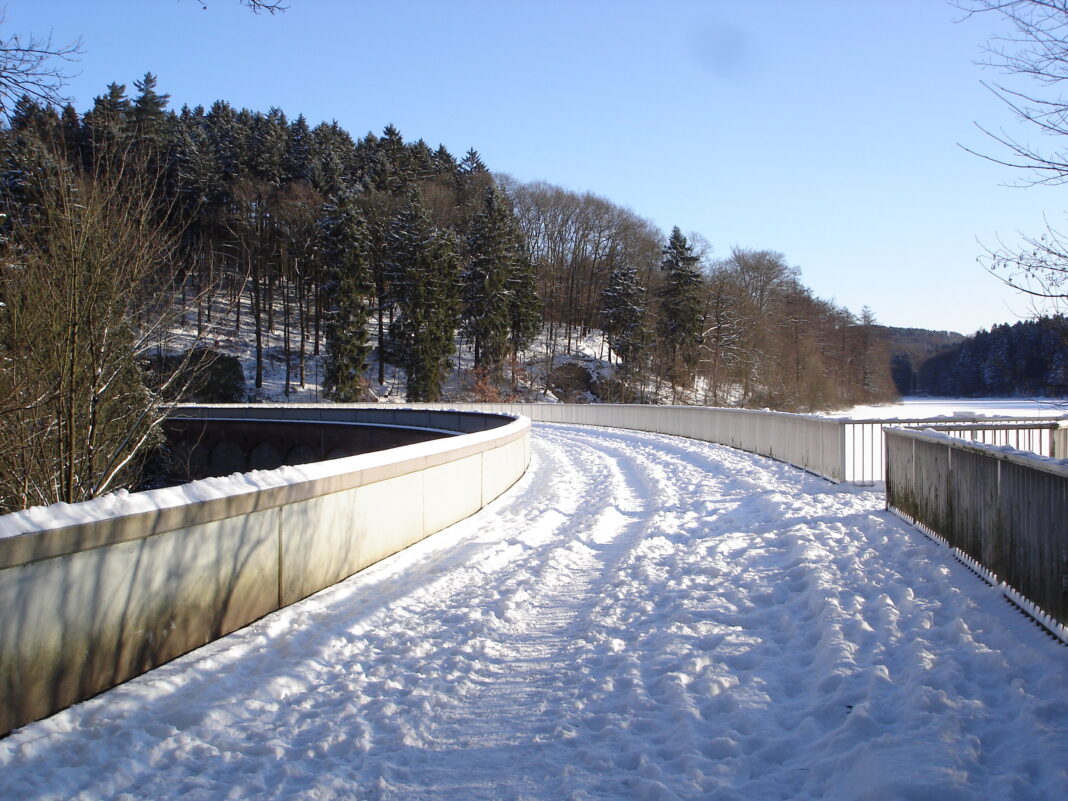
(639, 617)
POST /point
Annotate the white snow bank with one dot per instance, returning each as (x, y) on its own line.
(639, 617)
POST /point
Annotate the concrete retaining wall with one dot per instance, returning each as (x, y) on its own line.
(816, 444)
(87, 606)
(203, 447)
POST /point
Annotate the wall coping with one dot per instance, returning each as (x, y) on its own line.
(125, 517)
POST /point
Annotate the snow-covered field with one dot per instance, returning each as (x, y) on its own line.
(639, 617)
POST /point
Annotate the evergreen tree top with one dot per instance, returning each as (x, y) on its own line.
(148, 99)
(472, 163)
(678, 255)
(116, 95)
(444, 160)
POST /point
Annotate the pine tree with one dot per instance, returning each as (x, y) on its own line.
(622, 311)
(226, 135)
(970, 359)
(385, 164)
(1000, 363)
(473, 181)
(341, 240)
(1055, 354)
(194, 174)
(1054, 350)
(296, 165)
(680, 307)
(147, 118)
(444, 163)
(493, 248)
(472, 164)
(421, 159)
(105, 124)
(424, 266)
(268, 144)
(332, 157)
(398, 161)
(73, 143)
(32, 122)
(524, 305)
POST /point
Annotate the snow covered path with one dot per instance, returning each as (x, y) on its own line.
(640, 617)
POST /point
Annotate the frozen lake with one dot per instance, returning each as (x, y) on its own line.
(947, 407)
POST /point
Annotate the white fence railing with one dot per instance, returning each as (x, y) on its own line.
(865, 443)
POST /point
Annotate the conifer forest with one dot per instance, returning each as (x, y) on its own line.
(130, 221)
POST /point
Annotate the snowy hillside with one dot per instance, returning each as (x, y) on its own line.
(639, 617)
(544, 372)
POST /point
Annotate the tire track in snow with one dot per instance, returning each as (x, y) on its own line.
(577, 538)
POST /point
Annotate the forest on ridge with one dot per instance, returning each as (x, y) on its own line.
(130, 222)
(1026, 358)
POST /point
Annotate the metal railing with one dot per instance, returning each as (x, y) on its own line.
(864, 445)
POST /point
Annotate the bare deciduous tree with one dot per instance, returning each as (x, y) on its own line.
(86, 290)
(270, 6)
(1035, 48)
(34, 67)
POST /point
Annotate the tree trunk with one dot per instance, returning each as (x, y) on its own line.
(318, 297)
(258, 320)
(285, 333)
(302, 306)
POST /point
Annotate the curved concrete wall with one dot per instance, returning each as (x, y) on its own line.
(816, 444)
(87, 606)
(204, 447)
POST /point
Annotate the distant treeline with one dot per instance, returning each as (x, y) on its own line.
(1028, 358)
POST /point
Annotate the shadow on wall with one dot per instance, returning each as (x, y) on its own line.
(198, 449)
(112, 613)
(92, 604)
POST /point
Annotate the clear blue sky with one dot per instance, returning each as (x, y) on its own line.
(828, 130)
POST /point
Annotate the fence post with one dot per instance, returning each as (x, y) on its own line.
(1059, 442)
(842, 426)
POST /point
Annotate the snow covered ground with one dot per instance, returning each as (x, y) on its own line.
(591, 351)
(639, 617)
